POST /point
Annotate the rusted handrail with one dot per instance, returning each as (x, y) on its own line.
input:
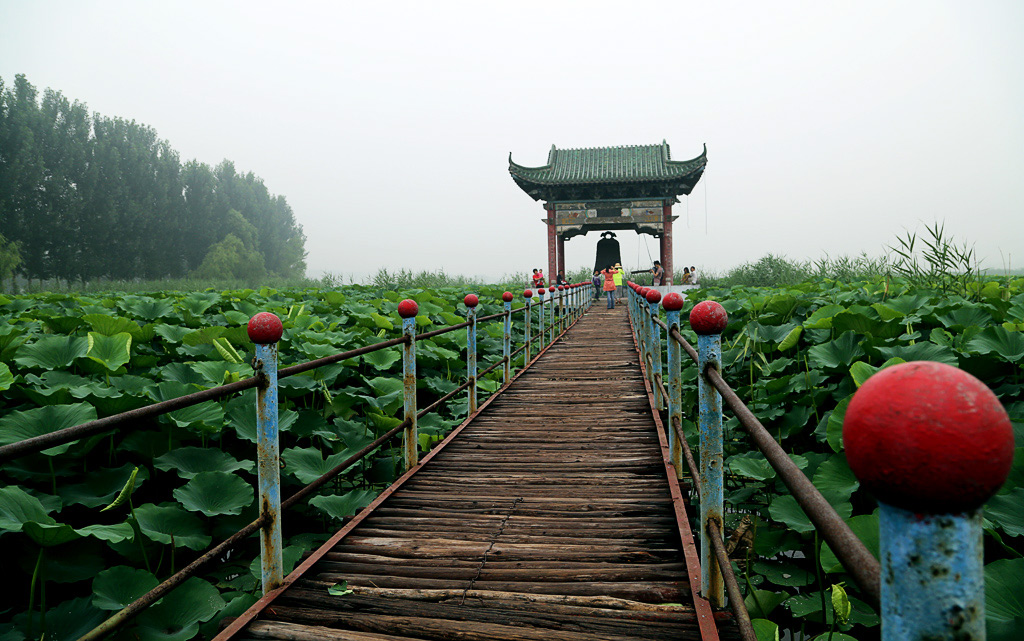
(850, 550)
(134, 608)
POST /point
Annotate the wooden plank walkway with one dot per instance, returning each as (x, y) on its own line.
(549, 517)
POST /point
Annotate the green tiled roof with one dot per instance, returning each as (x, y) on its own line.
(630, 164)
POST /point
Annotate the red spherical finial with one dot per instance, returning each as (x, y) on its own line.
(928, 437)
(507, 297)
(561, 288)
(265, 328)
(708, 317)
(540, 292)
(653, 296)
(673, 302)
(527, 293)
(551, 288)
(408, 308)
(471, 300)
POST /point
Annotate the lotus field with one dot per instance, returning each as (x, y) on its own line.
(88, 527)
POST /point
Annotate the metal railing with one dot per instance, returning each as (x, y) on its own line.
(929, 591)
(565, 305)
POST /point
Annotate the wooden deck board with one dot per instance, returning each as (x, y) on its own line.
(549, 517)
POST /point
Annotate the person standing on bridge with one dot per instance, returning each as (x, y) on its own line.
(596, 280)
(620, 289)
(659, 274)
(609, 285)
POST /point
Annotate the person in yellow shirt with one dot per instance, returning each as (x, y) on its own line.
(620, 289)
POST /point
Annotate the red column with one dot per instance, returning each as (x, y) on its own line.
(561, 256)
(666, 243)
(552, 248)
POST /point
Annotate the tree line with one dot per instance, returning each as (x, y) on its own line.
(90, 196)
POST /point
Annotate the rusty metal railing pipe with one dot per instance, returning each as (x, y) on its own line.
(851, 552)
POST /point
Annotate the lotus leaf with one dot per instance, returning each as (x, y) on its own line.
(865, 526)
(6, 378)
(204, 336)
(822, 317)
(112, 325)
(101, 486)
(204, 417)
(834, 478)
(72, 619)
(1004, 594)
(116, 587)
(809, 605)
(383, 359)
(170, 522)
(1006, 510)
(341, 506)
(834, 429)
(754, 466)
(242, 416)
(51, 352)
(765, 630)
(198, 302)
(174, 334)
(308, 464)
(189, 461)
(146, 308)
(290, 557)
(111, 352)
(18, 426)
(1008, 345)
(113, 533)
(214, 493)
(783, 573)
(838, 354)
(761, 603)
(220, 372)
(177, 616)
(922, 351)
(785, 509)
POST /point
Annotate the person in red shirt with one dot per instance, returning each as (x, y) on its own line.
(609, 285)
(538, 278)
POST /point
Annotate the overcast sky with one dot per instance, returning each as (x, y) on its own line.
(831, 127)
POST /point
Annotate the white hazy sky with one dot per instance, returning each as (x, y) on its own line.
(831, 127)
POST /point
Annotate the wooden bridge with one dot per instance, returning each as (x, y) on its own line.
(552, 515)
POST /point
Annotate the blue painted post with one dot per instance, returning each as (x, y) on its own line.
(653, 298)
(471, 302)
(933, 444)
(673, 303)
(506, 346)
(551, 314)
(408, 309)
(265, 331)
(528, 299)
(561, 308)
(709, 319)
(540, 318)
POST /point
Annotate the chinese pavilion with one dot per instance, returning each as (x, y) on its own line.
(608, 188)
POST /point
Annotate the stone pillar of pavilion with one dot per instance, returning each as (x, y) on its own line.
(609, 188)
(666, 243)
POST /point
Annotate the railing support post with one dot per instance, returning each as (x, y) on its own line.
(506, 345)
(561, 308)
(527, 299)
(471, 302)
(709, 319)
(673, 303)
(653, 298)
(933, 443)
(551, 321)
(265, 331)
(540, 318)
(408, 309)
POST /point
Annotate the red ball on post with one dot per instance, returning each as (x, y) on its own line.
(561, 288)
(708, 317)
(551, 288)
(673, 302)
(265, 328)
(408, 308)
(527, 293)
(471, 300)
(540, 292)
(653, 296)
(507, 297)
(928, 437)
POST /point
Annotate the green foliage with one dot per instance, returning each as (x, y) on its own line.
(848, 331)
(185, 480)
